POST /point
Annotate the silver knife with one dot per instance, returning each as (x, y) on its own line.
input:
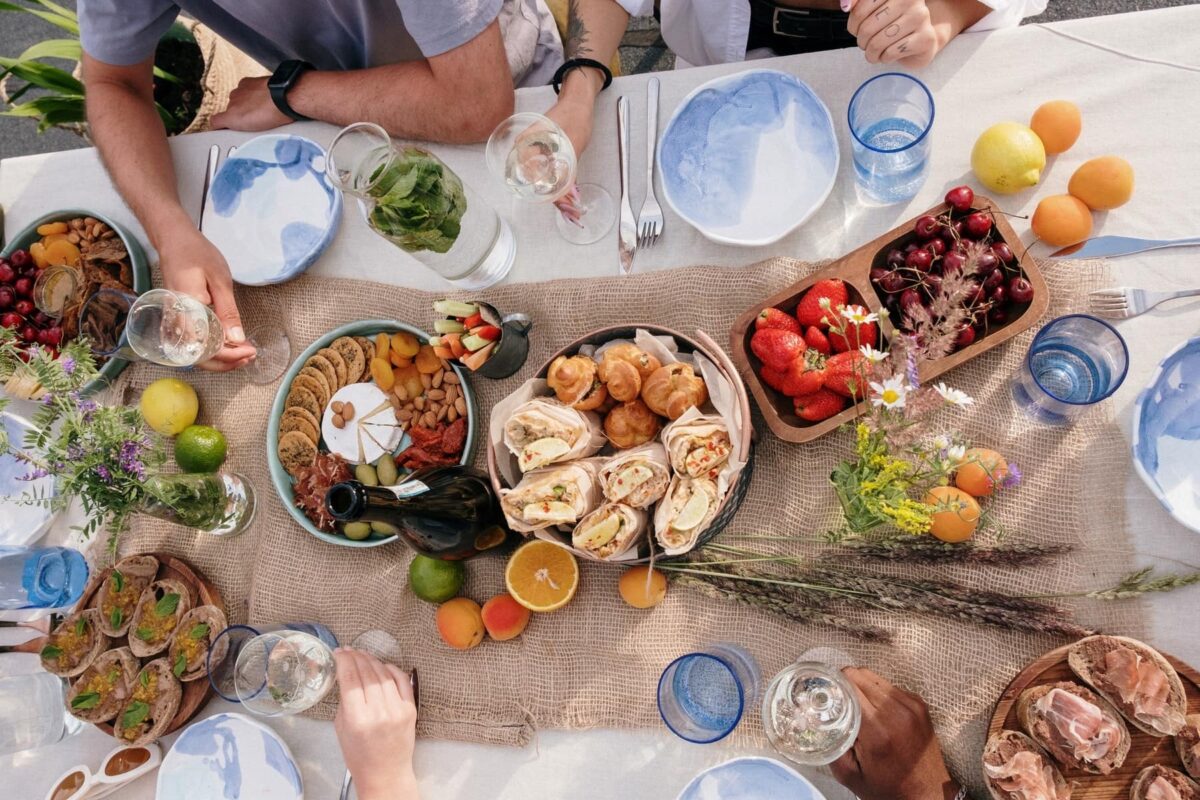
(627, 242)
(1107, 246)
(210, 171)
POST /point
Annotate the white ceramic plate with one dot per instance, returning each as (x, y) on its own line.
(750, 778)
(748, 158)
(271, 209)
(21, 523)
(229, 757)
(1166, 434)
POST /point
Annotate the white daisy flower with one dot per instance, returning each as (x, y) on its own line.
(941, 442)
(824, 303)
(871, 354)
(956, 453)
(955, 397)
(890, 394)
(858, 315)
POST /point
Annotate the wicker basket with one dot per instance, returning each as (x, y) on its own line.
(703, 344)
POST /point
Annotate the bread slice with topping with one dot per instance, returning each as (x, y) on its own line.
(1135, 678)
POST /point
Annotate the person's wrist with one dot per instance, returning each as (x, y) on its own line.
(395, 787)
(582, 84)
(168, 226)
(301, 96)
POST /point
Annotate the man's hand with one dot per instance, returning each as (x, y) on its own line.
(896, 755)
(251, 108)
(376, 726)
(192, 265)
(910, 32)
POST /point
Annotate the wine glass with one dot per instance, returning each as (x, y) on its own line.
(283, 673)
(537, 162)
(811, 711)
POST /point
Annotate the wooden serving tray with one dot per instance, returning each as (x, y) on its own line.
(1144, 750)
(855, 269)
(197, 693)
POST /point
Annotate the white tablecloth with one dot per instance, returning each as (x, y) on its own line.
(1142, 111)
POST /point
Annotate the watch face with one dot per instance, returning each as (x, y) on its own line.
(284, 74)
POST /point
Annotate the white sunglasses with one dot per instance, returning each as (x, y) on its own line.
(118, 768)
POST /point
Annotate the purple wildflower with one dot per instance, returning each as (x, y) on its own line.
(1013, 478)
(911, 368)
(35, 475)
(129, 459)
(87, 406)
(47, 399)
(103, 472)
(68, 365)
(74, 452)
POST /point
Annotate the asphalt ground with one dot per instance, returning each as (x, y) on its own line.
(642, 51)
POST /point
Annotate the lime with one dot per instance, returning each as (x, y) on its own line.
(434, 580)
(169, 405)
(200, 448)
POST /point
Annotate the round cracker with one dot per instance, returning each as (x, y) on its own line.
(318, 376)
(339, 365)
(318, 388)
(302, 397)
(323, 364)
(352, 354)
(296, 451)
(368, 348)
(297, 419)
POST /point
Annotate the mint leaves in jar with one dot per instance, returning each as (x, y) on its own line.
(419, 201)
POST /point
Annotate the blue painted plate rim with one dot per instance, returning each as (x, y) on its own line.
(1139, 408)
(335, 213)
(817, 794)
(686, 101)
(254, 723)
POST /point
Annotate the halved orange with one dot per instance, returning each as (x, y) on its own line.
(542, 576)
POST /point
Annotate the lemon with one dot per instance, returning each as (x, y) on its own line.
(200, 448)
(169, 405)
(693, 512)
(434, 580)
(1008, 157)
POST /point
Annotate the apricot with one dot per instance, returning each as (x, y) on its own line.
(37, 251)
(955, 513)
(62, 252)
(642, 587)
(504, 617)
(410, 377)
(381, 372)
(1062, 220)
(1057, 124)
(50, 228)
(398, 360)
(1103, 183)
(980, 471)
(460, 623)
(427, 360)
(405, 344)
(383, 343)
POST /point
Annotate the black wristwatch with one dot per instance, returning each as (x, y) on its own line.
(284, 78)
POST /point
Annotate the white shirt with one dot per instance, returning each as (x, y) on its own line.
(703, 32)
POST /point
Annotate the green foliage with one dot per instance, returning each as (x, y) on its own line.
(419, 202)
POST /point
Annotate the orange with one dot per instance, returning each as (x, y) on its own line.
(955, 513)
(643, 587)
(1057, 124)
(1103, 183)
(979, 471)
(542, 576)
(1061, 220)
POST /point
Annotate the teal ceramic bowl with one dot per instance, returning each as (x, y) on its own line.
(137, 260)
(280, 477)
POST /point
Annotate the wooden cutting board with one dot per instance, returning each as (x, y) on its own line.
(1144, 751)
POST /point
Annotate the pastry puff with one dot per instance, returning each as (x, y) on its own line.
(573, 379)
(673, 389)
(631, 424)
(623, 369)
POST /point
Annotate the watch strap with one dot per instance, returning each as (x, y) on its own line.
(280, 83)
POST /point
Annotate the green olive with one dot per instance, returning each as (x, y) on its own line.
(356, 531)
(385, 469)
(366, 475)
(385, 529)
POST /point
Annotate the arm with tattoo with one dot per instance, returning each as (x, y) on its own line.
(594, 30)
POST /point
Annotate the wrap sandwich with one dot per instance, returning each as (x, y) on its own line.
(560, 495)
(158, 612)
(610, 531)
(698, 447)
(198, 630)
(543, 431)
(686, 511)
(118, 595)
(75, 644)
(637, 478)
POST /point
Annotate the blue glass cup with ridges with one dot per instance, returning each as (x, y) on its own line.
(1074, 362)
(702, 695)
(890, 117)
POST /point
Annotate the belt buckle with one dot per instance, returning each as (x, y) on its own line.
(789, 12)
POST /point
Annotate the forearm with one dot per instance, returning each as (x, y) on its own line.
(404, 788)
(952, 17)
(594, 30)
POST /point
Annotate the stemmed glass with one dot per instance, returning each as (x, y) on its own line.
(811, 711)
(537, 162)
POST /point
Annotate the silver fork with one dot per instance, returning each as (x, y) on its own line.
(1123, 302)
(650, 218)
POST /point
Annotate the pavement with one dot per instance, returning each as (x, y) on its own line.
(642, 50)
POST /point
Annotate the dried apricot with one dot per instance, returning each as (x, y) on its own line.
(38, 251)
(427, 360)
(62, 252)
(382, 343)
(381, 372)
(398, 360)
(51, 227)
(405, 344)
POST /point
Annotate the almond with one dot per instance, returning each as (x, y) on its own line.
(460, 406)
(436, 394)
(347, 411)
(438, 377)
(338, 422)
(419, 402)
(451, 413)
(441, 414)
(427, 380)
(451, 377)
(400, 392)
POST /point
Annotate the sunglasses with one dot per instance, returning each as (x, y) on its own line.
(118, 768)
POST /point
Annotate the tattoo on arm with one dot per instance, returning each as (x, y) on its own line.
(576, 44)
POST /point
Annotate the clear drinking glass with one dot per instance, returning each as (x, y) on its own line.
(1074, 362)
(701, 696)
(231, 641)
(890, 117)
(54, 286)
(33, 712)
(283, 673)
(811, 712)
(537, 162)
(219, 503)
(419, 204)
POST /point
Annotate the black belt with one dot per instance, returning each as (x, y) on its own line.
(788, 30)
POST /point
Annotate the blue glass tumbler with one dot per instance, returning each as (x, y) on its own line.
(1074, 362)
(701, 696)
(890, 117)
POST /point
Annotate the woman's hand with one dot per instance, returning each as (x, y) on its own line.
(910, 32)
(896, 755)
(376, 726)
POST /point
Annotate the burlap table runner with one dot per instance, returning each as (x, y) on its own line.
(597, 661)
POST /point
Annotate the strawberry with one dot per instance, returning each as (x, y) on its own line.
(845, 373)
(775, 318)
(805, 376)
(855, 335)
(821, 404)
(809, 310)
(776, 347)
(772, 377)
(816, 339)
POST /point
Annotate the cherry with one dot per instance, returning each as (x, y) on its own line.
(947, 233)
(910, 298)
(24, 286)
(1020, 290)
(932, 285)
(966, 337)
(959, 228)
(999, 295)
(960, 198)
(986, 261)
(978, 225)
(1003, 252)
(926, 226)
(993, 280)
(24, 307)
(910, 247)
(42, 319)
(54, 336)
(892, 283)
(7, 273)
(11, 319)
(28, 333)
(998, 315)
(976, 296)
(936, 246)
(953, 261)
(919, 260)
(6, 297)
(19, 258)
(877, 274)
(895, 257)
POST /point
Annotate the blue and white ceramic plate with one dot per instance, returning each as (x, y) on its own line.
(1166, 434)
(271, 209)
(750, 778)
(748, 158)
(21, 523)
(229, 757)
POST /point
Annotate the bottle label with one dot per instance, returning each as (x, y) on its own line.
(408, 489)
